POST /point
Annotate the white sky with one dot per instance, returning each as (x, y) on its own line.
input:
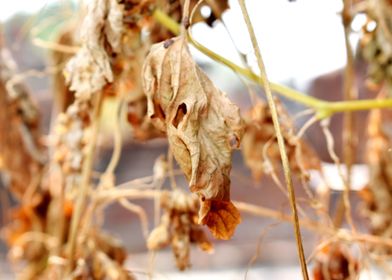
(298, 40)
(9, 7)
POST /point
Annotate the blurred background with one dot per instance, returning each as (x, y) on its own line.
(302, 43)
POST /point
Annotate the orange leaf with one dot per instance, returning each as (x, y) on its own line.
(221, 217)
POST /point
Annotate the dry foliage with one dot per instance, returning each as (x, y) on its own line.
(178, 227)
(21, 151)
(260, 148)
(72, 135)
(90, 69)
(100, 256)
(55, 230)
(202, 128)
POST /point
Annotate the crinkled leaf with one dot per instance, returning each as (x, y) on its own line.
(90, 70)
(201, 123)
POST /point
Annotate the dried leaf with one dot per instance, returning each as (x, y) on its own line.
(201, 124)
(221, 217)
(178, 227)
(90, 69)
(260, 147)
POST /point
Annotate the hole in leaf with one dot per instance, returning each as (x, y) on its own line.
(181, 112)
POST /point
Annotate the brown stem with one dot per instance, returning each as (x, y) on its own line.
(350, 92)
(279, 136)
(85, 183)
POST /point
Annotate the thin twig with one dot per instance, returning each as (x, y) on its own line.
(350, 92)
(279, 136)
(138, 210)
(270, 170)
(86, 176)
(330, 146)
(54, 46)
(263, 233)
(108, 196)
(117, 138)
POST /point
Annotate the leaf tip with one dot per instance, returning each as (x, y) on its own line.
(221, 217)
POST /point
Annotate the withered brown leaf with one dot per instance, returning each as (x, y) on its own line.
(178, 227)
(260, 147)
(202, 126)
(89, 70)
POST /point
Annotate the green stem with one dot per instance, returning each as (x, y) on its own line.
(323, 108)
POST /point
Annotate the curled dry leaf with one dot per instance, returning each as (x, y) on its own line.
(90, 69)
(202, 127)
(260, 148)
(178, 227)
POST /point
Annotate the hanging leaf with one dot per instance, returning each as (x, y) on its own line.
(178, 227)
(202, 127)
(90, 69)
